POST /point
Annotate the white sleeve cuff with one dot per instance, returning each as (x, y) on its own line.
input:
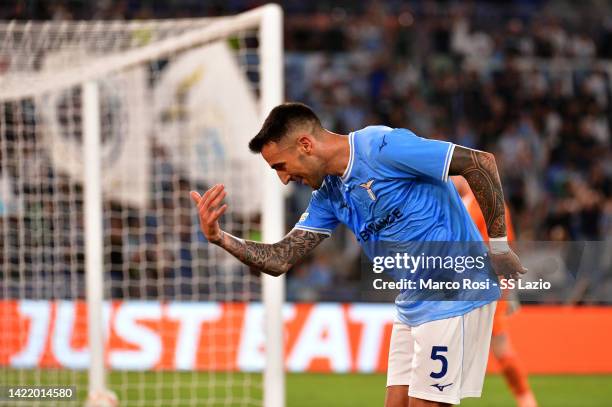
(447, 161)
(327, 232)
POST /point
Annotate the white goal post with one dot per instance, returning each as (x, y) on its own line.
(273, 287)
(103, 128)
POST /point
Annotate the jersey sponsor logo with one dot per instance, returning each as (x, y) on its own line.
(368, 187)
(304, 217)
(379, 224)
(441, 387)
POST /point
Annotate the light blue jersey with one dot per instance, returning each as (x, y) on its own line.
(396, 189)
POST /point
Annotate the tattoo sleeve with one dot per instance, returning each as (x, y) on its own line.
(274, 259)
(480, 171)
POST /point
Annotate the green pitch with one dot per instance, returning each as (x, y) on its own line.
(307, 390)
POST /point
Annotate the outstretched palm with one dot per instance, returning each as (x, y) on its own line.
(210, 210)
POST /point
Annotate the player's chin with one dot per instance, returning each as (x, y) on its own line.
(315, 185)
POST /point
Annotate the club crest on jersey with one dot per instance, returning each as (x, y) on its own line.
(368, 187)
(304, 217)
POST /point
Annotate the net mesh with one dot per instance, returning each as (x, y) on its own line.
(169, 124)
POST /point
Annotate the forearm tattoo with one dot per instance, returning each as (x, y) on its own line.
(480, 171)
(274, 259)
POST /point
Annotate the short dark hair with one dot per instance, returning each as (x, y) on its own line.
(281, 120)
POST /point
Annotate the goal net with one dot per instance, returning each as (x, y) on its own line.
(106, 283)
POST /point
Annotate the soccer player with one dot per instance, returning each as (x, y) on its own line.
(438, 351)
(501, 346)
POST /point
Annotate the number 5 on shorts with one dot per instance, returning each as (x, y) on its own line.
(435, 355)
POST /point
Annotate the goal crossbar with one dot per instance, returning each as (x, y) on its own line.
(14, 87)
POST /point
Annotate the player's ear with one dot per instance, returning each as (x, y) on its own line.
(304, 144)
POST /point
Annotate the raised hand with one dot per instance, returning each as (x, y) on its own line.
(210, 209)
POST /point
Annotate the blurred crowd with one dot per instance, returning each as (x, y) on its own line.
(534, 89)
(530, 81)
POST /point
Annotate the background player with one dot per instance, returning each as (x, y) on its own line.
(501, 346)
(439, 349)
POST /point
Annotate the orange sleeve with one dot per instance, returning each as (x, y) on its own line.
(509, 227)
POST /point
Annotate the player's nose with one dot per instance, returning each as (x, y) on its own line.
(284, 177)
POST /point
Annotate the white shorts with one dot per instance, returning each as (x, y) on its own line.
(442, 360)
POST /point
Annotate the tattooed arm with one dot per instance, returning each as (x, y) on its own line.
(274, 259)
(480, 171)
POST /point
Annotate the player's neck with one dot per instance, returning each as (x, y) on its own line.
(338, 152)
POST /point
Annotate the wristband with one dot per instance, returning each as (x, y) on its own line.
(499, 245)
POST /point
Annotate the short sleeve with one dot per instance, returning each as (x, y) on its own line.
(407, 153)
(319, 217)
